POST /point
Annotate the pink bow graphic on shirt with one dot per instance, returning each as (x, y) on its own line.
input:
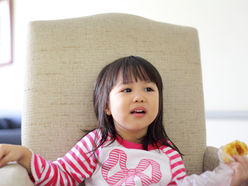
(127, 175)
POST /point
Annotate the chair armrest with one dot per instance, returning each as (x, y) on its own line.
(210, 160)
(14, 174)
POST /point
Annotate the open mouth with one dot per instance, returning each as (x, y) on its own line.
(138, 112)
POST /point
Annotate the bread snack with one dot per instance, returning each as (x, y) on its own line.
(235, 148)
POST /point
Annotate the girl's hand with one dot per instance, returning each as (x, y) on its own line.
(240, 167)
(17, 153)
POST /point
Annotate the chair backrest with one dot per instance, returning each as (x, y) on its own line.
(65, 56)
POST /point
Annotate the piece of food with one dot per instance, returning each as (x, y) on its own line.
(235, 148)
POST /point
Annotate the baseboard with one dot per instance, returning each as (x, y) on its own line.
(227, 115)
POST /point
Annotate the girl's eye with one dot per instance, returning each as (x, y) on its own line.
(127, 90)
(148, 89)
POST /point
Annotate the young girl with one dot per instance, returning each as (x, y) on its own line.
(128, 147)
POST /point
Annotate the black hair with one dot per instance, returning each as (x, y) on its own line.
(129, 67)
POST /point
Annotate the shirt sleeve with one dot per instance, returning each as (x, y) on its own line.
(177, 167)
(72, 169)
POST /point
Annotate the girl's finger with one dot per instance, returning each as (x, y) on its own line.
(2, 151)
(5, 155)
(238, 158)
(2, 162)
(242, 159)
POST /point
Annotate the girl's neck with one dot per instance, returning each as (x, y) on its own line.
(133, 145)
(134, 138)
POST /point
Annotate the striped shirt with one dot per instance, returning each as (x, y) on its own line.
(121, 163)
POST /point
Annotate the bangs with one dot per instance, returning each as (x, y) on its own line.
(131, 68)
(136, 68)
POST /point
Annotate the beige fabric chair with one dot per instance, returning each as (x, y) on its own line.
(64, 58)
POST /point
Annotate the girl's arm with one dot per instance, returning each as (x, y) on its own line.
(17, 153)
(240, 167)
(72, 169)
(76, 165)
(177, 166)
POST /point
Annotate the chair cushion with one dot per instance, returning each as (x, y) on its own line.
(14, 174)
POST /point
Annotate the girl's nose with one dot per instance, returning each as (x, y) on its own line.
(139, 98)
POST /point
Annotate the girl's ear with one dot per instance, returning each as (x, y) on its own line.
(108, 112)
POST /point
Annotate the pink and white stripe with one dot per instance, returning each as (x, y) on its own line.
(177, 166)
(70, 170)
(77, 165)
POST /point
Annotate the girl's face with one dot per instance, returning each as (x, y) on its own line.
(133, 106)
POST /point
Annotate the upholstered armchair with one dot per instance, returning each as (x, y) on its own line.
(64, 58)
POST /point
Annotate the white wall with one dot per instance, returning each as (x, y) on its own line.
(223, 32)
